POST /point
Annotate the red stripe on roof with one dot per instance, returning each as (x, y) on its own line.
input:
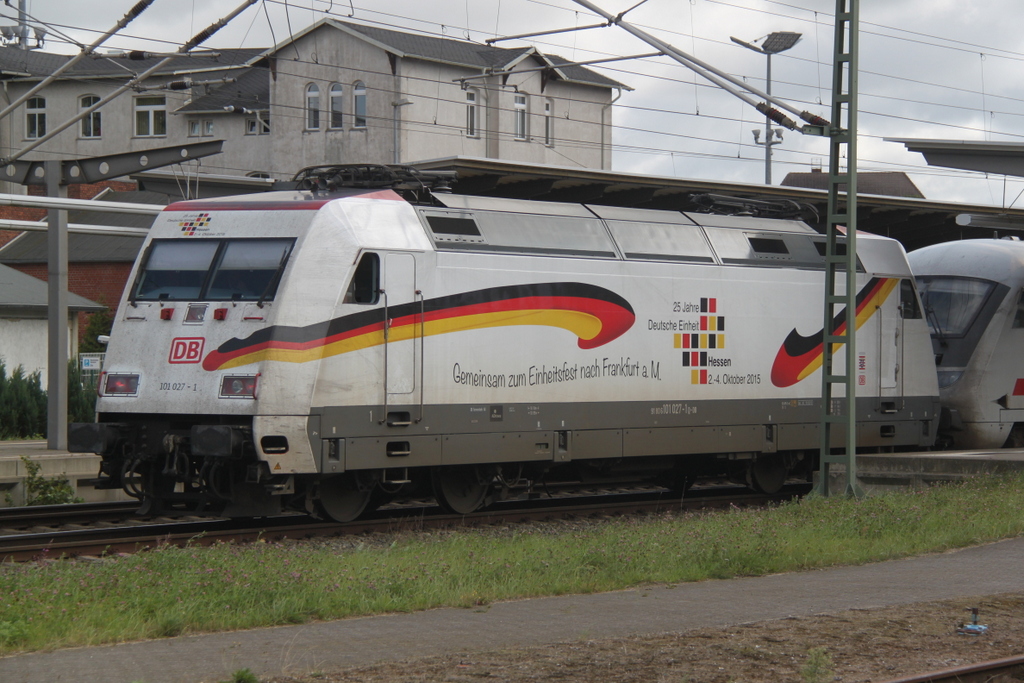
(294, 203)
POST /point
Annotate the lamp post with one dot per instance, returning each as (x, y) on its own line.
(773, 43)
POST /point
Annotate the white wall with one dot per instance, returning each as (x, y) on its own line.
(23, 341)
(241, 153)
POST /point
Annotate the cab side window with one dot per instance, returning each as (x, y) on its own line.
(1018, 317)
(909, 308)
(365, 285)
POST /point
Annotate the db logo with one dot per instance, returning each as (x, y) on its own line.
(186, 350)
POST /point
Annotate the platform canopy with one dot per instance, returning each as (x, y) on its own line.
(914, 222)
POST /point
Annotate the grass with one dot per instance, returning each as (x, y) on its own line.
(169, 591)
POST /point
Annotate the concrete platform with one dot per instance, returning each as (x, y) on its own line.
(882, 472)
(53, 463)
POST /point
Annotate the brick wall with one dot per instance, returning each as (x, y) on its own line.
(99, 282)
(78, 191)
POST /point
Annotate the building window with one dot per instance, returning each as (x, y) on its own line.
(91, 127)
(472, 115)
(35, 118)
(520, 117)
(336, 99)
(257, 127)
(549, 124)
(359, 104)
(312, 107)
(193, 128)
(207, 128)
(150, 116)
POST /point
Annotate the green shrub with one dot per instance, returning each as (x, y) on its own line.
(40, 490)
(22, 404)
(99, 323)
(81, 394)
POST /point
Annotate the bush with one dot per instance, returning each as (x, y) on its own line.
(81, 395)
(40, 490)
(99, 323)
(23, 405)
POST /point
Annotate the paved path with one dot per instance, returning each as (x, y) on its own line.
(985, 570)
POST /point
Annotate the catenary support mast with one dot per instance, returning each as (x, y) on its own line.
(839, 417)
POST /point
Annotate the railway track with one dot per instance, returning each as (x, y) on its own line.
(995, 671)
(73, 538)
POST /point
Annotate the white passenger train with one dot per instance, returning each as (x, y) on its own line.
(972, 295)
(320, 348)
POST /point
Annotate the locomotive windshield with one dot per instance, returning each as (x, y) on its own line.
(952, 303)
(212, 270)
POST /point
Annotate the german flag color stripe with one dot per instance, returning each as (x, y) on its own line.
(800, 356)
(595, 315)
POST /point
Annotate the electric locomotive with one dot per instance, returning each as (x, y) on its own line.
(326, 346)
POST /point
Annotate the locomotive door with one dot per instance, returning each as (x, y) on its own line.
(890, 345)
(403, 329)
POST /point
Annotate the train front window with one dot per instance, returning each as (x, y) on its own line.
(247, 270)
(952, 303)
(176, 269)
(212, 270)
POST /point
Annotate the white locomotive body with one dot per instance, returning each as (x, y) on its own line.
(971, 291)
(300, 349)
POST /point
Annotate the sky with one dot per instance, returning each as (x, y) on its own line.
(928, 69)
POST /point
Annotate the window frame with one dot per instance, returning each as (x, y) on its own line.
(91, 127)
(549, 123)
(359, 118)
(336, 113)
(312, 106)
(472, 113)
(257, 126)
(35, 118)
(520, 120)
(154, 114)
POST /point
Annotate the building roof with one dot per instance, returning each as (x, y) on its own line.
(886, 183)
(18, 290)
(460, 52)
(35, 64)
(250, 90)
(31, 247)
(914, 222)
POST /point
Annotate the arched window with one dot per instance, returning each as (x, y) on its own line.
(336, 98)
(358, 105)
(35, 118)
(312, 107)
(520, 117)
(91, 127)
(472, 114)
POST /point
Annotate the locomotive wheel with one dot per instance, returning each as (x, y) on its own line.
(342, 499)
(767, 473)
(458, 489)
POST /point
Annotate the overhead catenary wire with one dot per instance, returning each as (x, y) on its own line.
(130, 16)
(880, 113)
(198, 39)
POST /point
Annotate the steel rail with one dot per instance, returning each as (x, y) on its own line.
(1008, 669)
(127, 539)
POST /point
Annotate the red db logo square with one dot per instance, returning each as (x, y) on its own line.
(186, 350)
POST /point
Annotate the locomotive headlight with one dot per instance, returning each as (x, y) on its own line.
(239, 386)
(948, 377)
(118, 384)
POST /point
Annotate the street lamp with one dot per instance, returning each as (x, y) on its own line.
(773, 43)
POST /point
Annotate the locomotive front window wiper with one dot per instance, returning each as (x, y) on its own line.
(272, 285)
